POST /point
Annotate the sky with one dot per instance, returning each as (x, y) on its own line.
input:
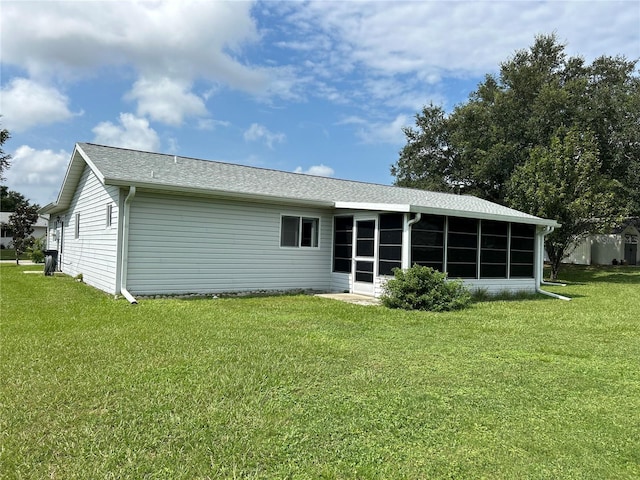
(315, 87)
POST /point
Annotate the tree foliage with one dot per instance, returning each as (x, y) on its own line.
(477, 147)
(514, 120)
(562, 182)
(21, 223)
(5, 158)
(9, 199)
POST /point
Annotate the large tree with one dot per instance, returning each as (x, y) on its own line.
(477, 147)
(517, 117)
(562, 182)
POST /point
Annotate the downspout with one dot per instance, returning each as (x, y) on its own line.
(125, 246)
(540, 277)
(406, 240)
(416, 219)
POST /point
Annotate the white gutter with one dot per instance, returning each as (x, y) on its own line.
(539, 273)
(125, 246)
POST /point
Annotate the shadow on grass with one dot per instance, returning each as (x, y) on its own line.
(583, 274)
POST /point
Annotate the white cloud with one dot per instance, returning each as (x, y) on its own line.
(462, 36)
(260, 132)
(166, 100)
(317, 170)
(398, 54)
(381, 132)
(211, 124)
(37, 174)
(178, 40)
(26, 103)
(132, 132)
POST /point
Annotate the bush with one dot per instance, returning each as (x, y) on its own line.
(423, 288)
(36, 251)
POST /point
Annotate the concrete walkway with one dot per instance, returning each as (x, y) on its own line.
(351, 298)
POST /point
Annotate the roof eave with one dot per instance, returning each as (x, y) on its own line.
(532, 220)
(384, 207)
(71, 178)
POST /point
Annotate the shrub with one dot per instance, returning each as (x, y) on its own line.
(423, 288)
(36, 250)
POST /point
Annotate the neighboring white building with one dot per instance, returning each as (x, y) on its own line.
(618, 247)
(6, 235)
(145, 223)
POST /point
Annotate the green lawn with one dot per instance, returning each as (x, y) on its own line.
(10, 254)
(303, 387)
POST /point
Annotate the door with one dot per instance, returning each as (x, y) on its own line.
(631, 253)
(60, 243)
(364, 257)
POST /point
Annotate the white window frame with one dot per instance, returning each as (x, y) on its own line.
(109, 215)
(301, 219)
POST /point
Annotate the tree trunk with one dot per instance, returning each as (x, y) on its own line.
(555, 258)
(555, 267)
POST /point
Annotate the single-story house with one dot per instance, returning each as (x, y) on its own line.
(6, 234)
(141, 223)
(618, 247)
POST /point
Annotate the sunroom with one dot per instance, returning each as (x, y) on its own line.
(496, 255)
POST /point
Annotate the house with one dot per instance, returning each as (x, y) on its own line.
(6, 235)
(146, 223)
(619, 246)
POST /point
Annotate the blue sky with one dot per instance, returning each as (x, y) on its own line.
(316, 87)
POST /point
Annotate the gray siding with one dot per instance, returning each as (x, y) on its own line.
(183, 244)
(94, 252)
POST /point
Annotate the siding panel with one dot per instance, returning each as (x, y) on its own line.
(195, 245)
(94, 252)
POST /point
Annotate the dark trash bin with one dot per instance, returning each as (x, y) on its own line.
(50, 262)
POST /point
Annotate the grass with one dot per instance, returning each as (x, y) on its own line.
(303, 387)
(10, 254)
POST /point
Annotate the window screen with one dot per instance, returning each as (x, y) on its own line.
(462, 247)
(342, 244)
(390, 245)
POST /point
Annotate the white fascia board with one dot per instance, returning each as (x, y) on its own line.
(484, 216)
(48, 208)
(378, 207)
(71, 178)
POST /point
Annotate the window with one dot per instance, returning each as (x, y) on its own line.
(299, 231)
(462, 247)
(109, 219)
(493, 249)
(77, 226)
(390, 247)
(522, 248)
(427, 242)
(342, 244)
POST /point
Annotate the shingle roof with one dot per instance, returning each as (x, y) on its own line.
(118, 166)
